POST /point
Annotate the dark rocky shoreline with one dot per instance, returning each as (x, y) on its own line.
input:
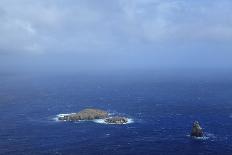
(116, 120)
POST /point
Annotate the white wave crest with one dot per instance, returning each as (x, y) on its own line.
(61, 115)
(205, 137)
(201, 138)
(102, 121)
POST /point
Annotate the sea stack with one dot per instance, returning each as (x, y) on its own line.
(197, 131)
(86, 114)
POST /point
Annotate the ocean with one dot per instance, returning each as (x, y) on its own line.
(162, 107)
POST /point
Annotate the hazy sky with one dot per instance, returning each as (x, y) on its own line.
(116, 33)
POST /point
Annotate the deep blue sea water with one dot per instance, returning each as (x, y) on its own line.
(163, 108)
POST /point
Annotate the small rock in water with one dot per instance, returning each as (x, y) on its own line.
(197, 131)
(116, 120)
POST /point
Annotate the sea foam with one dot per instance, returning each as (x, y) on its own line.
(102, 121)
(61, 115)
(205, 137)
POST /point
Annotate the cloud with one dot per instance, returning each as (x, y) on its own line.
(49, 26)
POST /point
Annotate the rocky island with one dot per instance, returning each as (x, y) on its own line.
(93, 114)
(197, 131)
(116, 120)
(86, 114)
